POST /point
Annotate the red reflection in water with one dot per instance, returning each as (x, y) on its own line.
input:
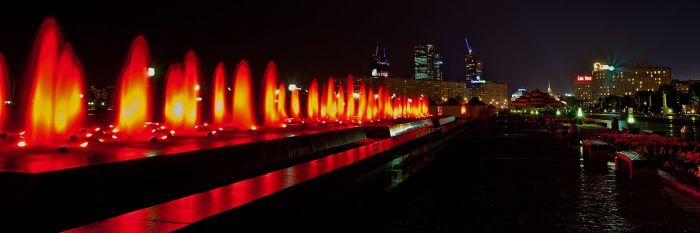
(312, 106)
(281, 102)
(270, 108)
(3, 91)
(134, 91)
(243, 97)
(181, 92)
(219, 113)
(55, 98)
(350, 103)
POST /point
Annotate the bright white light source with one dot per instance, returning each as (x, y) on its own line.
(151, 72)
(292, 87)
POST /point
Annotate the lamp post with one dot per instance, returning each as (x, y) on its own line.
(579, 116)
(631, 122)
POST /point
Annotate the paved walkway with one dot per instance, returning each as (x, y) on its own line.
(499, 177)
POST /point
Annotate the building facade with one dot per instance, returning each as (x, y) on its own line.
(379, 68)
(583, 88)
(628, 80)
(427, 63)
(494, 93)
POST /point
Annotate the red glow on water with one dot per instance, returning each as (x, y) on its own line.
(350, 102)
(242, 97)
(55, 97)
(4, 96)
(362, 103)
(312, 106)
(281, 101)
(134, 91)
(181, 92)
(270, 108)
(219, 113)
(295, 104)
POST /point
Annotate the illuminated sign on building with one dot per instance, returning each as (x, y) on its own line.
(584, 78)
(598, 66)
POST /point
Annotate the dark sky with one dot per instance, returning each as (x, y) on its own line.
(522, 43)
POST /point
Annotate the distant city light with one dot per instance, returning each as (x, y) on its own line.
(151, 72)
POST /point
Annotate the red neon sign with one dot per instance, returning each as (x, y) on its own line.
(584, 78)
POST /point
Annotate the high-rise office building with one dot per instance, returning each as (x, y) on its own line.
(379, 68)
(474, 68)
(427, 63)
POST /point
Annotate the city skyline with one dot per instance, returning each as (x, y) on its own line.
(521, 43)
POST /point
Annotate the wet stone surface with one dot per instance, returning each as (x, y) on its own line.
(503, 177)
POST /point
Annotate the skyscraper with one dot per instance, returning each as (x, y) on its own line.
(427, 62)
(474, 68)
(380, 64)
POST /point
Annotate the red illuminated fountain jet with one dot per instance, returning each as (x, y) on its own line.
(134, 90)
(56, 106)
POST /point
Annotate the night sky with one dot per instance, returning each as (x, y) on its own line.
(522, 43)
